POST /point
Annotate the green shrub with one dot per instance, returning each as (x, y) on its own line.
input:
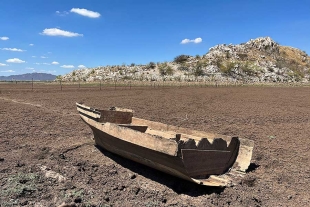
(165, 69)
(59, 77)
(226, 67)
(183, 68)
(246, 68)
(126, 77)
(181, 58)
(151, 65)
(292, 65)
(132, 64)
(243, 56)
(198, 69)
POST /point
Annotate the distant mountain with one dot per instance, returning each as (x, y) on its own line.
(29, 76)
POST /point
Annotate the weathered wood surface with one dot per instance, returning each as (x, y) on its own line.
(200, 157)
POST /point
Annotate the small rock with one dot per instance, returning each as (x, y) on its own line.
(62, 156)
(68, 205)
(121, 187)
(135, 190)
(95, 165)
(18, 164)
(1, 159)
(112, 172)
(23, 203)
(106, 198)
(132, 176)
(289, 197)
(77, 200)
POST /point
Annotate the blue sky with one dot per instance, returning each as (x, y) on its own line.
(58, 36)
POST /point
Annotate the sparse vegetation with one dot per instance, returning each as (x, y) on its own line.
(151, 65)
(234, 61)
(225, 67)
(59, 77)
(298, 72)
(198, 68)
(181, 58)
(243, 56)
(20, 185)
(165, 69)
(183, 68)
(247, 68)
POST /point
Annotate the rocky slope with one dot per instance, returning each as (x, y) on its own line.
(258, 60)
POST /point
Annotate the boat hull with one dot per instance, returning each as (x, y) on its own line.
(219, 163)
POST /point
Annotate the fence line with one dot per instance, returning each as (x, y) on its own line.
(126, 85)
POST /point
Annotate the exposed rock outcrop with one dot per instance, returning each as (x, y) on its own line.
(258, 60)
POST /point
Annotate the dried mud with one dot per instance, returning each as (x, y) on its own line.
(48, 157)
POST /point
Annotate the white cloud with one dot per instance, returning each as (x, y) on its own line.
(37, 63)
(43, 57)
(31, 44)
(63, 13)
(85, 12)
(81, 66)
(2, 64)
(55, 63)
(46, 64)
(13, 49)
(59, 32)
(197, 40)
(8, 71)
(4, 38)
(14, 60)
(29, 68)
(67, 66)
(33, 56)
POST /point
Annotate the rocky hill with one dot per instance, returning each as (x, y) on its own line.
(29, 76)
(258, 60)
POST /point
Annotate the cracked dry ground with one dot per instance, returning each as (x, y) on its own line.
(47, 156)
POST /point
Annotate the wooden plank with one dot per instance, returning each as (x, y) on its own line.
(116, 117)
(85, 107)
(88, 113)
(205, 162)
(140, 128)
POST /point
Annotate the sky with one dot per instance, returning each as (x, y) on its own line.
(58, 36)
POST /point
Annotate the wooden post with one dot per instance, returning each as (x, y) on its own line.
(79, 84)
(130, 85)
(100, 84)
(32, 84)
(114, 84)
(60, 85)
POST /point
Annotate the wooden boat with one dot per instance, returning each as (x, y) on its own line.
(197, 156)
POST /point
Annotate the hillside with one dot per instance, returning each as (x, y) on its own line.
(258, 60)
(29, 76)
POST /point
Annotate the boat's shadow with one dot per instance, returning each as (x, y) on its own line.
(178, 185)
